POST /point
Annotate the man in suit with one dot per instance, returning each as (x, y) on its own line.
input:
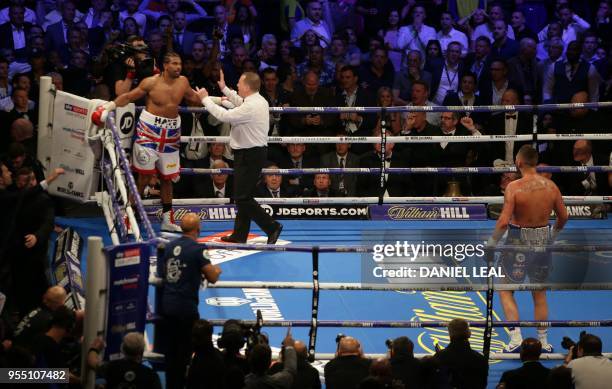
(445, 75)
(479, 61)
(503, 46)
(419, 154)
(311, 94)
(183, 39)
(396, 185)
(321, 187)
(508, 123)
(402, 84)
(350, 94)
(466, 368)
(467, 96)
(492, 91)
(453, 154)
(343, 184)
(272, 185)
(586, 184)
(532, 374)
(523, 70)
(297, 158)
(57, 33)
(14, 33)
(217, 185)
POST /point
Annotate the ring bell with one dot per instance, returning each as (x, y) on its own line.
(438, 272)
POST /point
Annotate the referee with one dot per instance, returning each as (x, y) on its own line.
(250, 122)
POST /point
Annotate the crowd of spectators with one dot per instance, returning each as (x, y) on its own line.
(323, 53)
(333, 53)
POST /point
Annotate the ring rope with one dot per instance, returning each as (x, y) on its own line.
(407, 139)
(408, 170)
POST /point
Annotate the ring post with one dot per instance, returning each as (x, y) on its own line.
(45, 125)
(95, 307)
(486, 347)
(383, 154)
(312, 341)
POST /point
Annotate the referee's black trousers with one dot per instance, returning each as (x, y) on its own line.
(247, 171)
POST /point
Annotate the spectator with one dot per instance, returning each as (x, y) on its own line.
(206, 369)
(499, 188)
(419, 98)
(532, 374)
(393, 120)
(553, 33)
(560, 378)
(307, 376)
(93, 17)
(503, 47)
(183, 39)
(566, 77)
(127, 371)
(396, 185)
(390, 35)
(445, 75)
(343, 184)
(377, 73)
(586, 184)
(350, 94)
(589, 48)
(218, 185)
(381, 376)
(602, 20)
(131, 11)
(267, 55)
(233, 66)
(29, 14)
(57, 33)
(523, 70)
(172, 7)
(5, 85)
(18, 157)
(519, 27)
(471, 22)
(316, 62)
(591, 369)
(291, 13)
(248, 28)
(13, 33)
(492, 91)
(21, 108)
(467, 96)
(323, 29)
(572, 25)
(296, 158)
(448, 34)
(321, 187)
(416, 35)
(404, 366)
(402, 83)
(37, 321)
(433, 52)
(236, 365)
(179, 296)
(554, 51)
(349, 367)
(310, 95)
(272, 185)
(496, 13)
(466, 368)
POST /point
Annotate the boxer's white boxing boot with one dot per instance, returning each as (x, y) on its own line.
(516, 338)
(167, 223)
(543, 338)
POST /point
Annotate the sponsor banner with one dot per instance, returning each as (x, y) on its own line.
(127, 293)
(126, 122)
(66, 266)
(574, 211)
(428, 212)
(278, 211)
(70, 147)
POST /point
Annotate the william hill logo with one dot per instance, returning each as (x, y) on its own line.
(411, 212)
(75, 109)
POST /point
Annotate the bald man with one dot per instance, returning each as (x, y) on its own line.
(182, 268)
(37, 322)
(586, 184)
(307, 376)
(349, 367)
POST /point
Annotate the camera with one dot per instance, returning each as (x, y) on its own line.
(236, 334)
(568, 342)
(143, 62)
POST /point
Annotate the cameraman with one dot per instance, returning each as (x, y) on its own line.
(127, 72)
(590, 369)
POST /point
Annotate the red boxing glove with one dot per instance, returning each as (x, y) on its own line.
(99, 116)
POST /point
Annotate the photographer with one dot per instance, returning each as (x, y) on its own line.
(349, 367)
(405, 367)
(260, 359)
(307, 376)
(236, 365)
(590, 369)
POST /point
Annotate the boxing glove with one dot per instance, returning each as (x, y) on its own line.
(100, 115)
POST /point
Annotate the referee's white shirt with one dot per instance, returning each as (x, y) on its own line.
(250, 119)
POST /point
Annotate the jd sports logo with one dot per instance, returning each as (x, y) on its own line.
(227, 301)
(127, 123)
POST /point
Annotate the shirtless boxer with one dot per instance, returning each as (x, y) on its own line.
(528, 203)
(156, 149)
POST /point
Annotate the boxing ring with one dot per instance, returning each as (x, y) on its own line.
(314, 279)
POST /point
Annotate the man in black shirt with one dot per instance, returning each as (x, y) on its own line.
(182, 268)
(207, 369)
(127, 372)
(349, 368)
(37, 322)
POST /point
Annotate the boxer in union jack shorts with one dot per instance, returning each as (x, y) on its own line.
(156, 149)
